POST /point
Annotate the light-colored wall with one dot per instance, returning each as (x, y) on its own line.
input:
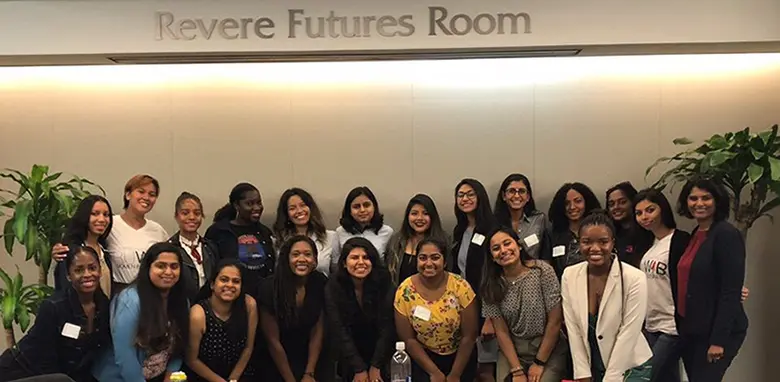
(398, 127)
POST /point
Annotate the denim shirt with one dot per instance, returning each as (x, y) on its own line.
(124, 361)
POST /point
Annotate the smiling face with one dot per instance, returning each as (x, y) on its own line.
(701, 204)
(504, 249)
(419, 220)
(99, 218)
(84, 272)
(430, 261)
(250, 207)
(297, 211)
(141, 199)
(302, 259)
(362, 210)
(619, 206)
(358, 263)
(466, 199)
(648, 215)
(189, 216)
(516, 195)
(575, 205)
(165, 270)
(596, 244)
(227, 285)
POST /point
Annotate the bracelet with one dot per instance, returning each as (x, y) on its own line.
(309, 373)
(517, 371)
(540, 362)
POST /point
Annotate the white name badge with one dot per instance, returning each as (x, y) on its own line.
(478, 239)
(531, 240)
(71, 331)
(422, 313)
(559, 251)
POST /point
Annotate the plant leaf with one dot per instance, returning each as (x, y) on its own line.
(52, 177)
(6, 279)
(717, 142)
(774, 166)
(22, 317)
(682, 141)
(21, 218)
(17, 287)
(755, 172)
(756, 154)
(30, 244)
(718, 158)
(8, 310)
(8, 236)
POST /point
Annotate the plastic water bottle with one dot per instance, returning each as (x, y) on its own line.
(401, 364)
(178, 376)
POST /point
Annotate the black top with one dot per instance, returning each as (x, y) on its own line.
(408, 267)
(363, 335)
(221, 347)
(566, 256)
(713, 306)
(47, 350)
(632, 244)
(294, 335)
(252, 245)
(189, 272)
(475, 258)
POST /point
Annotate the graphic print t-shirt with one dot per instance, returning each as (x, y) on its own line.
(252, 253)
(127, 246)
(660, 305)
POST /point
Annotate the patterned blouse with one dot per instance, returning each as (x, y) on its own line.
(437, 323)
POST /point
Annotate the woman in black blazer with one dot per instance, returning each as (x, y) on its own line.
(709, 278)
(474, 221)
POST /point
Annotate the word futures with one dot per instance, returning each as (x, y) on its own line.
(440, 23)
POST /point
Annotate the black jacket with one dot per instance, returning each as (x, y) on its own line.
(475, 258)
(712, 303)
(189, 271)
(221, 234)
(570, 254)
(45, 350)
(359, 346)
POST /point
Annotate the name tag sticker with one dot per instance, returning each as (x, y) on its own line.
(478, 239)
(559, 251)
(71, 331)
(422, 313)
(531, 240)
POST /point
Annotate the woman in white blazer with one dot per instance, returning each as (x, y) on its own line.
(604, 305)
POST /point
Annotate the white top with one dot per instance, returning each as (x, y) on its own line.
(187, 245)
(379, 240)
(127, 247)
(660, 305)
(620, 318)
(324, 251)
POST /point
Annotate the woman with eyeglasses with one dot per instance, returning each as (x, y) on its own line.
(515, 207)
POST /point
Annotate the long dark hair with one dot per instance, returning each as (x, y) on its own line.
(405, 233)
(600, 217)
(494, 286)
(375, 287)
(557, 212)
(482, 214)
(228, 211)
(284, 227)
(285, 282)
(349, 223)
(78, 226)
(630, 192)
(238, 313)
(501, 208)
(154, 318)
(654, 196)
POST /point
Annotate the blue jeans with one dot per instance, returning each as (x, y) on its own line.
(667, 350)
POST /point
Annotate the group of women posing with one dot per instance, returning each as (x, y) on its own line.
(589, 295)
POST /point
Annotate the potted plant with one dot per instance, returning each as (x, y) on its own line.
(18, 302)
(39, 212)
(747, 164)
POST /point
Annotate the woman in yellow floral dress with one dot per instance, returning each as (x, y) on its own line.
(436, 316)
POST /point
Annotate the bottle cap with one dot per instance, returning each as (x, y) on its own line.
(400, 345)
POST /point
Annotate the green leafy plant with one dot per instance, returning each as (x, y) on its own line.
(39, 212)
(18, 302)
(743, 161)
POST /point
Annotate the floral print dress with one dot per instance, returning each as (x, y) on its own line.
(437, 323)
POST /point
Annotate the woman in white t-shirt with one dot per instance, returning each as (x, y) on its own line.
(132, 233)
(361, 217)
(654, 213)
(298, 214)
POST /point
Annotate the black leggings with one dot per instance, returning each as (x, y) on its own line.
(444, 363)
